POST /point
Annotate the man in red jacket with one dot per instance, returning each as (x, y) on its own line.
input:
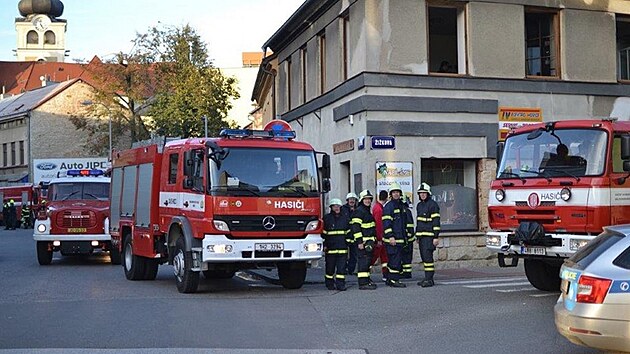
(379, 250)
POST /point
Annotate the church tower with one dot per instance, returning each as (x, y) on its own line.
(41, 34)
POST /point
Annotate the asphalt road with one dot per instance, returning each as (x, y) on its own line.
(87, 304)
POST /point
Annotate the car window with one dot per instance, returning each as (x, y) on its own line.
(623, 260)
(587, 254)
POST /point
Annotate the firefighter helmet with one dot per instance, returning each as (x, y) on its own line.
(351, 195)
(394, 187)
(365, 194)
(424, 188)
(334, 201)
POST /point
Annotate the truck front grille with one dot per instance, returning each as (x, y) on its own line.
(262, 223)
(77, 218)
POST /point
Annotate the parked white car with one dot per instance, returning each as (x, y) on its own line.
(594, 307)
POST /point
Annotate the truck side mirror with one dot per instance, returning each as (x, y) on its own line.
(188, 183)
(326, 185)
(500, 147)
(625, 148)
(326, 166)
(188, 162)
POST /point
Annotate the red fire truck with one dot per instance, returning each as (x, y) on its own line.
(20, 194)
(75, 219)
(247, 199)
(557, 185)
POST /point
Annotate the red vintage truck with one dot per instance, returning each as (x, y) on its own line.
(75, 217)
(557, 185)
(20, 194)
(247, 199)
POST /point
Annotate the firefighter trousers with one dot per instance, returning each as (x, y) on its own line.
(352, 258)
(407, 258)
(335, 270)
(426, 253)
(394, 263)
(380, 252)
(363, 263)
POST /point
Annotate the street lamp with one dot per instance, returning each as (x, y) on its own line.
(109, 114)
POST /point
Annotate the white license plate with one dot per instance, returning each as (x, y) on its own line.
(269, 247)
(538, 251)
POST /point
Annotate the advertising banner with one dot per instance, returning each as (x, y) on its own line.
(515, 117)
(47, 169)
(390, 172)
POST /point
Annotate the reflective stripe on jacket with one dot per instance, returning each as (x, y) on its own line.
(394, 223)
(362, 225)
(428, 218)
(336, 232)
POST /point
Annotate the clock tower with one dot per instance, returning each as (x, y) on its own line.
(41, 34)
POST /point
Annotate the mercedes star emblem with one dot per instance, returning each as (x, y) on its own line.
(269, 222)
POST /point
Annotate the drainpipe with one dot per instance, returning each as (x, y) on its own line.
(31, 177)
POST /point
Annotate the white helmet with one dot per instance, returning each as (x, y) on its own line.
(424, 188)
(334, 201)
(365, 194)
(351, 195)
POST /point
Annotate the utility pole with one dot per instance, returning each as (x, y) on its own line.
(205, 123)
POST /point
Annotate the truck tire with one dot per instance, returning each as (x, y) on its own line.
(218, 274)
(187, 280)
(292, 274)
(114, 254)
(133, 265)
(44, 256)
(150, 269)
(543, 275)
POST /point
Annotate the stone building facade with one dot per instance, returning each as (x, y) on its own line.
(420, 87)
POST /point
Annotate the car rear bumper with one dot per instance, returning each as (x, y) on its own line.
(592, 332)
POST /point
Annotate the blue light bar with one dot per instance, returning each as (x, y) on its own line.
(287, 134)
(75, 173)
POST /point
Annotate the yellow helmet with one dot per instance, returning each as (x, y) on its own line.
(394, 187)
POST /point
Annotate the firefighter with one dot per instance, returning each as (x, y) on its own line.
(336, 236)
(363, 231)
(394, 233)
(348, 209)
(26, 216)
(407, 254)
(380, 252)
(5, 214)
(427, 231)
(11, 215)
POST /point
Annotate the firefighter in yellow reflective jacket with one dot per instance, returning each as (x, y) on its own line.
(407, 254)
(363, 231)
(395, 234)
(336, 236)
(427, 231)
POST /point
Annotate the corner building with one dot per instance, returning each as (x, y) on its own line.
(422, 90)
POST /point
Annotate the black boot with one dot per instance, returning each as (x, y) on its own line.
(426, 283)
(396, 284)
(368, 286)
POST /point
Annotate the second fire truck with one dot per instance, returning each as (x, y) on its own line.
(248, 199)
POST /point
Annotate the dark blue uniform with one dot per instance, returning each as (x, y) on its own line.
(427, 230)
(336, 235)
(363, 232)
(394, 225)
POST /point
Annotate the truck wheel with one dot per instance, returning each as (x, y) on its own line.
(44, 256)
(187, 280)
(114, 254)
(133, 265)
(292, 274)
(150, 269)
(218, 274)
(542, 275)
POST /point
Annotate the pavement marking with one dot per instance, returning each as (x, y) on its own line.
(545, 294)
(497, 280)
(495, 285)
(515, 290)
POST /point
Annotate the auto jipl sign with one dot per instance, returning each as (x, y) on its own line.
(46, 169)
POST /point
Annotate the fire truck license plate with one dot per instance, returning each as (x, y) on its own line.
(77, 229)
(269, 247)
(539, 251)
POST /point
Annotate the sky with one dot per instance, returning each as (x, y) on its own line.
(105, 27)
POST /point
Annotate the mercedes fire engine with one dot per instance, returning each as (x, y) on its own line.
(75, 218)
(557, 185)
(247, 199)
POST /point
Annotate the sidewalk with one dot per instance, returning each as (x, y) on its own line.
(315, 275)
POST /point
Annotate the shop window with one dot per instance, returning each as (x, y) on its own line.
(446, 28)
(50, 38)
(623, 48)
(541, 43)
(32, 37)
(454, 187)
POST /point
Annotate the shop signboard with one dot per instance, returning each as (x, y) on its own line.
(388, 172)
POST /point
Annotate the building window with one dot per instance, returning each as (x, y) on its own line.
(172, 168)
(623, 48)
(21, 152)
(345, 50)
(50, 38)
(322, 63)
(13, 153)
(32, 37)
(304, 68)
(5, 158)
(447, 44)
(288, 83)
(454, 187)
(541, 43)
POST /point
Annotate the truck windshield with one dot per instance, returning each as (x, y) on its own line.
(78, 191)
(269, 172)
(565, 153)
